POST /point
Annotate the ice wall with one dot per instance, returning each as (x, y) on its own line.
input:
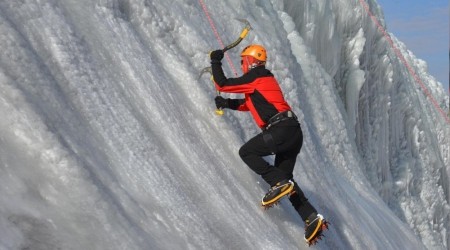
(389, 112)
(109, 141)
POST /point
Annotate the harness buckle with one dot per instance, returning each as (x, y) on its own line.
(282, 116)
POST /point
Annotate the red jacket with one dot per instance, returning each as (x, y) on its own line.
(263, 96)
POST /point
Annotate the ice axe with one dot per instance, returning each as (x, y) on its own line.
(243, 34)
(209, 70)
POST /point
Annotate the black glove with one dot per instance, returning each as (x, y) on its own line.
(216, 55)
(222, 103)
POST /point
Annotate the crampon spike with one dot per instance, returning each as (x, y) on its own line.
(314, 241)
(319, 235)
(268, 206)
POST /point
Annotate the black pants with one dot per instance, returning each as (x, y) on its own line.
(286, 142)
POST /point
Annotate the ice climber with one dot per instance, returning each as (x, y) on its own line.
(281, 133)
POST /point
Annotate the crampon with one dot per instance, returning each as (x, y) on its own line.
(317, 233)
(270, 205)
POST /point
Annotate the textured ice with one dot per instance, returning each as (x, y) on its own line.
(109, 141)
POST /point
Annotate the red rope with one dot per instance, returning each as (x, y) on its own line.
(213, 27)
(402, 58)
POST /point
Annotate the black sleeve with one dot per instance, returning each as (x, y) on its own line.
(222, 80)
(217, 72)
(235, 103)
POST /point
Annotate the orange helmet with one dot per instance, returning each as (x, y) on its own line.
(256, 51)
(252, 56)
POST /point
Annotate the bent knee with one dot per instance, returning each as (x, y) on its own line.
(243, 152)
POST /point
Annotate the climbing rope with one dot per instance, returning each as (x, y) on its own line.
(213, 27)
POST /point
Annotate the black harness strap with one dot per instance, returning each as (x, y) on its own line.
(268, 139)
(280, 117)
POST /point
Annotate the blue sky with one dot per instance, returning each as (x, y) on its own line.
(423, 25)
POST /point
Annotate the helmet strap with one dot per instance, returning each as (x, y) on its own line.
(255, 64)
(247, 65)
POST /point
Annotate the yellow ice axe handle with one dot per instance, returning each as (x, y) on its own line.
(219, 112)
(241, 37)
(244, 33)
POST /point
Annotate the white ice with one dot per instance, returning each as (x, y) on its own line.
(109, 141)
